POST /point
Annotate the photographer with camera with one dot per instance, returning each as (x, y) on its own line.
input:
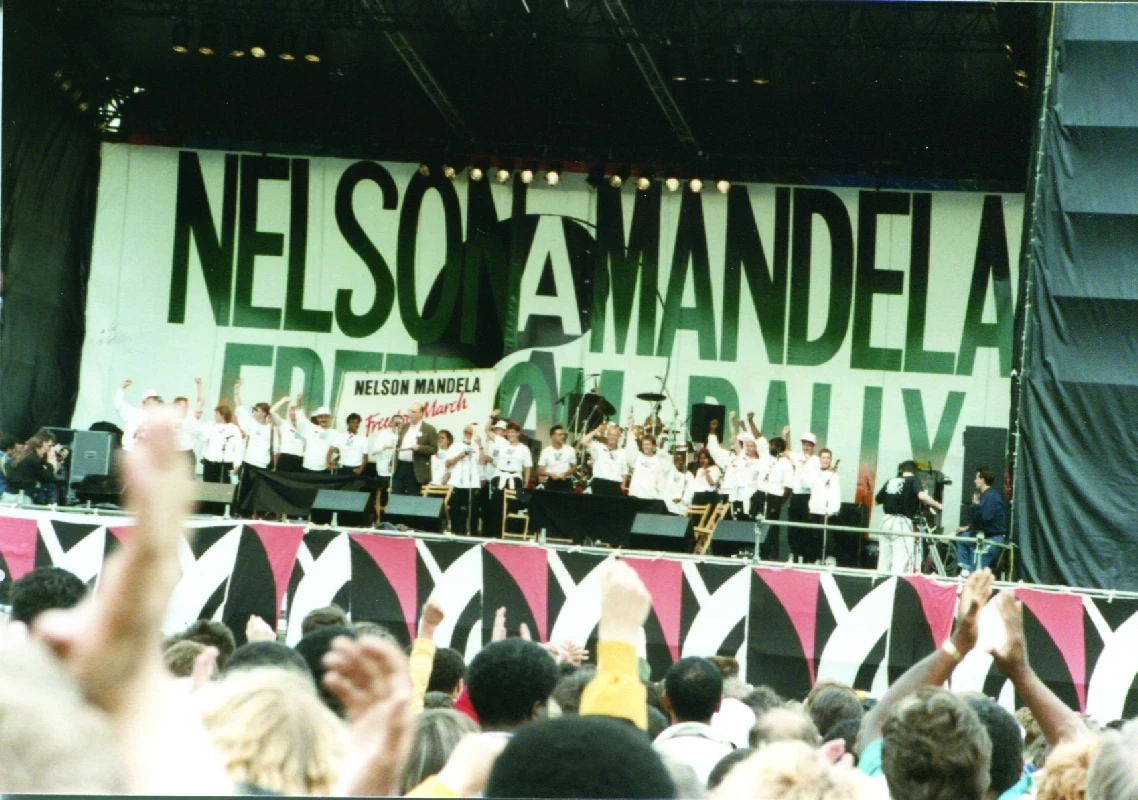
(31, 472)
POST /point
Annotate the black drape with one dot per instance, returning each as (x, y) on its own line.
(1076, 488)
(50, 180)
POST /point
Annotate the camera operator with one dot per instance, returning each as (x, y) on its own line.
(32, 471)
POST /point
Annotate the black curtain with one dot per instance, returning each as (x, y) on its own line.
(1076, 486)
(50, 180)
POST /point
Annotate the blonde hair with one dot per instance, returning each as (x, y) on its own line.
(1066, 775)
(272, 731)
(790, 771)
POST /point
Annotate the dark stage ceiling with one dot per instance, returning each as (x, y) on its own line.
(779, 91)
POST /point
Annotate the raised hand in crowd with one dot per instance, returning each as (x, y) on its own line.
(431, 618)
(126, 383)
(257, 630)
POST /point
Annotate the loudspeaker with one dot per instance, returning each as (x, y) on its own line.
(701, 416)
(336, 500)
(90, 455)
(664, 532)
(732, 536)
(417, 513)
(983, 447)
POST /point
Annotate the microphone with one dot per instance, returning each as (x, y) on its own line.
(594, 375)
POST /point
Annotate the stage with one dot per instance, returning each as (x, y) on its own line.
(788, 627)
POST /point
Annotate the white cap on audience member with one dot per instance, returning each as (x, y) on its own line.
(323, 411)
(809, 437)
(500, 425)
(150, 393)
(745, 437)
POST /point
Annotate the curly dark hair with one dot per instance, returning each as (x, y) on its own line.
(1007, 743)
(693, 688)
(935, 748)
(834, 705)
(324, 617)
(508, 681)
(210, 633)
(448, 671)
(44, 589)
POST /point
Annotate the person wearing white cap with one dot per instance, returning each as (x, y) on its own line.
(317, 433)
(495, 431)
(805, 543)
(132, 415)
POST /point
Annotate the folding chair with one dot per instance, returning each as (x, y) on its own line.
(704, 532)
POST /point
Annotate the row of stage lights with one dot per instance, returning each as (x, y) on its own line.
(553, 177)
(212, 38)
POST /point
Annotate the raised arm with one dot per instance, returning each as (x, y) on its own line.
(616, 691)
(1057, 721)
(754, 428)
(199, 397)
(935, 669)
(237, 384)
(274, 411)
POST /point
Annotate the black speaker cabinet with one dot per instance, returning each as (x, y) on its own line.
(417, 513)
(733, 536)
(701, 416)
(662, 532)
(983, 447)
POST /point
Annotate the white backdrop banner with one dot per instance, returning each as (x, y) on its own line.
(451, 399)
(879, 320)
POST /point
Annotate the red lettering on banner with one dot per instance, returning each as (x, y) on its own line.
(431, 408)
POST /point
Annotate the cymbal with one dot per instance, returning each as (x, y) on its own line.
(651, 397)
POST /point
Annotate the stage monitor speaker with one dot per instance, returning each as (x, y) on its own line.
(663, 532)
(90, 455)
(336, 500)
(417, 513)
(733, 536)
(701, 416)
(213, 492)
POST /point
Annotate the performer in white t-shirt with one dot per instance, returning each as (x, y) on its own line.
(649, 471)
(557, 463)
(317, 433)
(186, 424)
(512, 464)
(610, 466)
(292, 441)
(825, 493)
(223, 446)
(132, 415)
(678, 481)
(463, 462)
(775, 487)
(440, 472)
(349, 448)
(805, 543)
(704, 486)
(262, 440)
(382, 454)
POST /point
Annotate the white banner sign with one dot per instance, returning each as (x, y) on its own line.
(451, 400)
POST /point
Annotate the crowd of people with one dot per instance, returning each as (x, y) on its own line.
(93, 698)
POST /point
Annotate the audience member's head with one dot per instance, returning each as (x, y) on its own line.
(253, 655)
(366, 627)
(1114, 771)
(272, 731)
(762, 699)
(1007, 743)
(935, 747)
(726, 764)
(51, 739)
(784, 725)
(312, 649)
(448, 671)
(326, 617)
(509, 683)
(595, 757)
(436, 734)
(847, 730)
(44, 589)
(179, 658)
(693, 690)
(212, 634)
(438, 700)
(1066, 775)
(727, 665)
(791, 771)
(567, 693)
(834, 705)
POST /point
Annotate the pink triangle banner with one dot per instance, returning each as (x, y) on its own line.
(938, 601)
(529, 567)
(1061, 615)
(396, 559)
(664, 580)
(281, 543)
(18, 537)
(797, 591)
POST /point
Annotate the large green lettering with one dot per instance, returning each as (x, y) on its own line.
(484, 251)
(239, 355)
(744, 254)
(522, 385)
(192, 219)
(870, 444)
(353, 361)
(933, 452)
(917, 358)
(252, 242)
(820, 412)
(710, 389)
(827, 205)
(991, 265)
(297, 317)
(309, 363)
(620, 269)
(872, 281)
(355, 325)
(690, 251)
(776, 413)
(424, 328)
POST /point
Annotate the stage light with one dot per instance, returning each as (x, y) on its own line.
(59, 74)
(723, 186)
(208, 38)
(66, 85)
(138, 90)
(673, 184)
(77, 95)
(317, 44)
(1008, 48)
(237, 40)
(552, 177)
(180, 38)
(1021, 73)
(732, 80)
(696, 185)
(680, 78)
(643, 183)
(527, 176)
(503, 175)
(257, 51)
(1022, 85)
(475, 173)
(449, 172)
(760, 81)
(288, 47)
(424, 170)
(615, 181)
(84, 106)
